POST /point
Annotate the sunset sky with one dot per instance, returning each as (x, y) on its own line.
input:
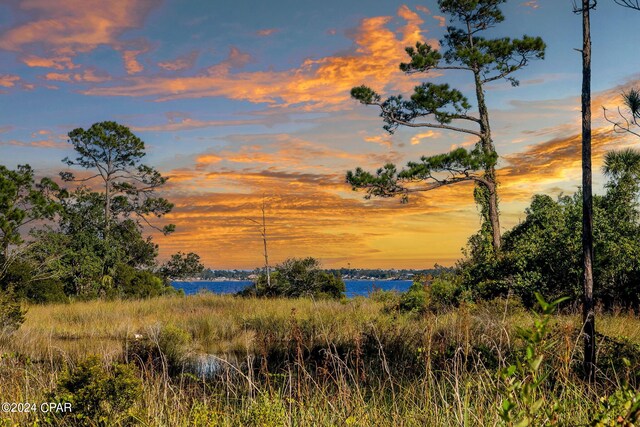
(249, 100)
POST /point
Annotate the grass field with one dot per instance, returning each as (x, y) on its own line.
(303, 362)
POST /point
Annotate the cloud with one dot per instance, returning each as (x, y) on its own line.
(423, 9)
(267, 32)
(533, 4)
(8, 80)
(58, 77)
(184, 62)
(559, 158)
(380, 139)
(131, 64)
(290, 153)
(326, 81)
(207, 159)
(57, 62)
(189, 124)
(417, 138)
(308, 215)
(52, 33)
(88, 76)
(44, 143)
(442, 21)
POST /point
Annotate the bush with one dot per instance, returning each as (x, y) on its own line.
(167, 348)
(446, 292)
(390, 299)
(416, 299)
(21, 276)
(298, 277)
(132, 283)
(11, 313)
(98, 396)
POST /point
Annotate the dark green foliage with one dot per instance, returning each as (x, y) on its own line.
(181, 266)
(84, 261)
(298, 277)
(389, 182)
(632, 102)
(427, 293)
(22, 201)
(98, 396)
(129, 282)
(445, 292)
(542, 253)
(11, 312)
(416, 299)
(29, 284)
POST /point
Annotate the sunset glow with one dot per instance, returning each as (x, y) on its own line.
(238, 108)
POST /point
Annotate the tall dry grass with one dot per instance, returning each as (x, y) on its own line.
(306, 363)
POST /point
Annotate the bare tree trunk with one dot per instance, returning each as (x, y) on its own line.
(588, 314)
(266, 254)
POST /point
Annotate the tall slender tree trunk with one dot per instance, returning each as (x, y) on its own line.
(107, 210)
(490, 171)
(588, 314)
(264, 240)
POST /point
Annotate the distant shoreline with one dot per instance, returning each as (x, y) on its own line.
(367, 279)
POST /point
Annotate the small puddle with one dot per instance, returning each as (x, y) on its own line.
(211, 365)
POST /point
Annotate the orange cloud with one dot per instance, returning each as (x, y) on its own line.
(131, 64)
(321, 82)
(267, 32)
(533, 4)
(60, 30)
(285, 152)
(88, 75)
(181, 63)
(550, 161)
(58, 77)
(8, 80)
(45, 143)
(417, 138)
(207, 159)
(442, 21)
(57, 63)
(380, 139)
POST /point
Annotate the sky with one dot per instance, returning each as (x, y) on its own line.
(246, 102)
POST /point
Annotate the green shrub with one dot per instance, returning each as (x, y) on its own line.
(11, 313)
(21, 276)
(416, 299)
(265, 412)
(98, 395)
(445, 292)
(297, 277)
(132, 283)
(167, 348)
(622, 408)
(390, 299)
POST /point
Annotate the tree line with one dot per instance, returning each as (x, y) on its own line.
(83, 235)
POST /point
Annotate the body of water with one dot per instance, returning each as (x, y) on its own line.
(354, 287)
